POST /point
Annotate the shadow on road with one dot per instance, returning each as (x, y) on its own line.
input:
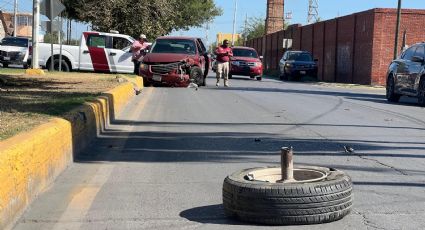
(210, 214)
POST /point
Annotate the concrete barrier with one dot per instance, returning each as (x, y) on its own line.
(31, 161)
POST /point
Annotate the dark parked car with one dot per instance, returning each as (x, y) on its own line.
(295, 64)
(406, 75)
(176, 61)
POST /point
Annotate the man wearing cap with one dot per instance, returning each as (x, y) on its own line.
(223, 52)
(138, 49)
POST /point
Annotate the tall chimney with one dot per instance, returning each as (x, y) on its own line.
(275, 14)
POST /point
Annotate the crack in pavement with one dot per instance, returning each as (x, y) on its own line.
(380, 163)
(367, 222)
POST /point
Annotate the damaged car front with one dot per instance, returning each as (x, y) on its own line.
(173, 61)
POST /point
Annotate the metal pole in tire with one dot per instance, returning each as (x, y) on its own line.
(397, 29)
(287, 164)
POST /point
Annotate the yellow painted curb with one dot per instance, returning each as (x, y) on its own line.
(30, 162)
(35, 72)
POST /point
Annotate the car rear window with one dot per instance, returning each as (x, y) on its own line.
(300, 57)
(181, 46)
(244, 53)
(19, 42)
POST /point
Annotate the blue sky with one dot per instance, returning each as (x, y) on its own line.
(257, 8)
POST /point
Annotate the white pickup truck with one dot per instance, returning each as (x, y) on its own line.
(98, 52)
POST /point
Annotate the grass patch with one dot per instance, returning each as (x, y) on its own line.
(27, 101)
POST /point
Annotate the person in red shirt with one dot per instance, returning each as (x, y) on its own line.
(223, 52)
(138, 48)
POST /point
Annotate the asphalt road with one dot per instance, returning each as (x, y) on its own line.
(161, 164)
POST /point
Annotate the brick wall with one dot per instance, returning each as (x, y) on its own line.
(355, 48)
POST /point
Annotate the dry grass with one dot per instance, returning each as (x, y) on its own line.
(27, 101)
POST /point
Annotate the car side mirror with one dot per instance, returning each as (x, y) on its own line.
(418, 59)
(316, 60)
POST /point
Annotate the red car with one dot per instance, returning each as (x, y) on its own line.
(246, 62)
(176, 61)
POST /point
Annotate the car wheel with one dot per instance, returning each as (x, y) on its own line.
(421, 92)
(230, 76)
(5, 65)
(392, 96)
(259, 78)
(65, 67)
(196, 75)
(252, 77)
(311, 202)
(25, 66)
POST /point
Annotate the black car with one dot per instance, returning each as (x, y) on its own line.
(406, 75)
(296, 64)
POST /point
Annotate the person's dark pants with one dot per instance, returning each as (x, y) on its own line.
(136, 67)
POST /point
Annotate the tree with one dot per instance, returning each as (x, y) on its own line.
(255, 28)
(133, 17)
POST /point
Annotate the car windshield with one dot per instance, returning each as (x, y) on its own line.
(300, 57)
(20, 42)
(244, 53)
(179, 46)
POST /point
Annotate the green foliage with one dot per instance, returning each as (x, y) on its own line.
(49, 37)
(256, 27)
(133, 17)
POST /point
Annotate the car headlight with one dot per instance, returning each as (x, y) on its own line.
(235, 63)
(257, 64)
(289, 65)
(144, 67)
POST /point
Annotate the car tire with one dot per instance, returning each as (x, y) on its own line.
(230, 76)
(391, 95)
(323, 201)
(26, 66)
(252, 77)
(65, 66)
(259, 78)
(421, 92)
(196, 75)
(5, 65)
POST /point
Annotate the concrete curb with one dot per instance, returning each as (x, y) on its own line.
(31, 161)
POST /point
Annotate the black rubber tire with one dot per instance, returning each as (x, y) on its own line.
(5, 65)
(196, 75)
(252, 77)
(288, 204)
(391, 95)
(26, 66)
(421, 92)
(65, 66)
(259, 78)
(230, 76)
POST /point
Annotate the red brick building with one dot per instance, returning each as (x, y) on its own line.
(352, 49)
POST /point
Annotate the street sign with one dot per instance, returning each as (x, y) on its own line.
(57, 8)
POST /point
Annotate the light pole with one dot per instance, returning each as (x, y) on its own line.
(397, 29)
(36, 22)
(234, 22)
(15, 19)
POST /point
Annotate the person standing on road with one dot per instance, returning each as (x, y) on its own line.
(138, 48)
(223, 52)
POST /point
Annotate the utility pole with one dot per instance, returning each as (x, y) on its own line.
(313, 12)
(15, 19)
(36, 23)
(207, 31)
(246, 29)
(397, 29)
(234, 22)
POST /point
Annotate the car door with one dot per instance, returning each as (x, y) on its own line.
(201, 56)
(415, 69)
(93, 55)
(119, 55)
(403, 73)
